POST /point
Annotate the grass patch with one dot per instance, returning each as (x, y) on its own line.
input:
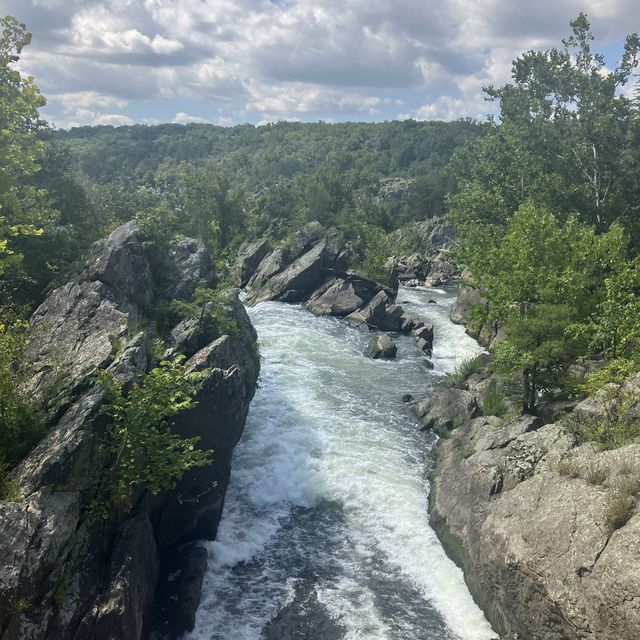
(465, 452)
(568, 467)
(619, 509)
(595, 473)
(464, 370)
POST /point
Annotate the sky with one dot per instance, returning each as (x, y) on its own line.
(234, 61)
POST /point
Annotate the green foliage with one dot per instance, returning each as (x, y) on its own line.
(615, 424)
(147, 454)
(540, 205)
(493, 403)
(616, 323)
(471, 365)
(210, 307)
(21, 422)
(563, 140)
(543, 279)
(613, 371)
(23, 208)
(376, 247)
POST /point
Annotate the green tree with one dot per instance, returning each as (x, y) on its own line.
(543, 279)
(22, 206)
(147, 453)
(560, 141)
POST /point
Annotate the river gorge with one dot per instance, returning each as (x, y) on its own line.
(325, 532)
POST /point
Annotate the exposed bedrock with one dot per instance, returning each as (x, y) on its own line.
(64, 574)
(549, 545)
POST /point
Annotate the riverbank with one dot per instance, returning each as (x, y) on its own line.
(544, 527)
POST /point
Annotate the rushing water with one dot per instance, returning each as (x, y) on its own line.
(326, 513)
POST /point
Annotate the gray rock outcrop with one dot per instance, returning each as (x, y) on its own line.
(342, 296)
(250, 255)
(446, 408)
(65, 573)
(381, 346)
(545, 528)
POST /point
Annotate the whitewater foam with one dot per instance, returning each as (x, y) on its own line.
(328, 488)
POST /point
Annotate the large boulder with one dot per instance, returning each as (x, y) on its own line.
(298, 280)
(446, 408)
(466, 302)
(192, 268)
(379, 314)
(250, 255)
(342, 296)
(120, 262)
(271, 264)
(78, 327)
(381, 346)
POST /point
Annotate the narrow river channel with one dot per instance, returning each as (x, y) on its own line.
(325, 534)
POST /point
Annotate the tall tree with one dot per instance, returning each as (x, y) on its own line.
(560, 140)
(22, 206)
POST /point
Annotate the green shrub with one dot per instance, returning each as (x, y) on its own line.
(22, 423)
(210, 308)
(146, 452)
(615, 425)
(464, 370)
(493, 403)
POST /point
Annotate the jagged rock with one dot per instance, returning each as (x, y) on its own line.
(442, 273)
(424, 337)
(63, 575)
(271, 264)
(300, 278)
(74, 330)
(381, 346)
(463, 307)
(250, 255)
(379, 314)
(305, 238)
(181, 585)
(120, 263)
(446, 408)
(340, 297)
(535, 546)
(193, 268)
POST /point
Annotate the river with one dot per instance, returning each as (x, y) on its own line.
(326, 520)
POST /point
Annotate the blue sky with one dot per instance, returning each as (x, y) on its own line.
(231, 61)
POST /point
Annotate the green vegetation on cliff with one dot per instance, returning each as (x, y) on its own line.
(546, 209)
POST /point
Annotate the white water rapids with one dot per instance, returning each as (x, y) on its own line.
(328, 492)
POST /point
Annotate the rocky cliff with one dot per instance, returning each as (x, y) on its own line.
(544, 525)
(63, 572)
(312, 269)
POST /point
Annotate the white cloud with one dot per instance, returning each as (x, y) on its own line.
(183, 118)
(259, 59)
